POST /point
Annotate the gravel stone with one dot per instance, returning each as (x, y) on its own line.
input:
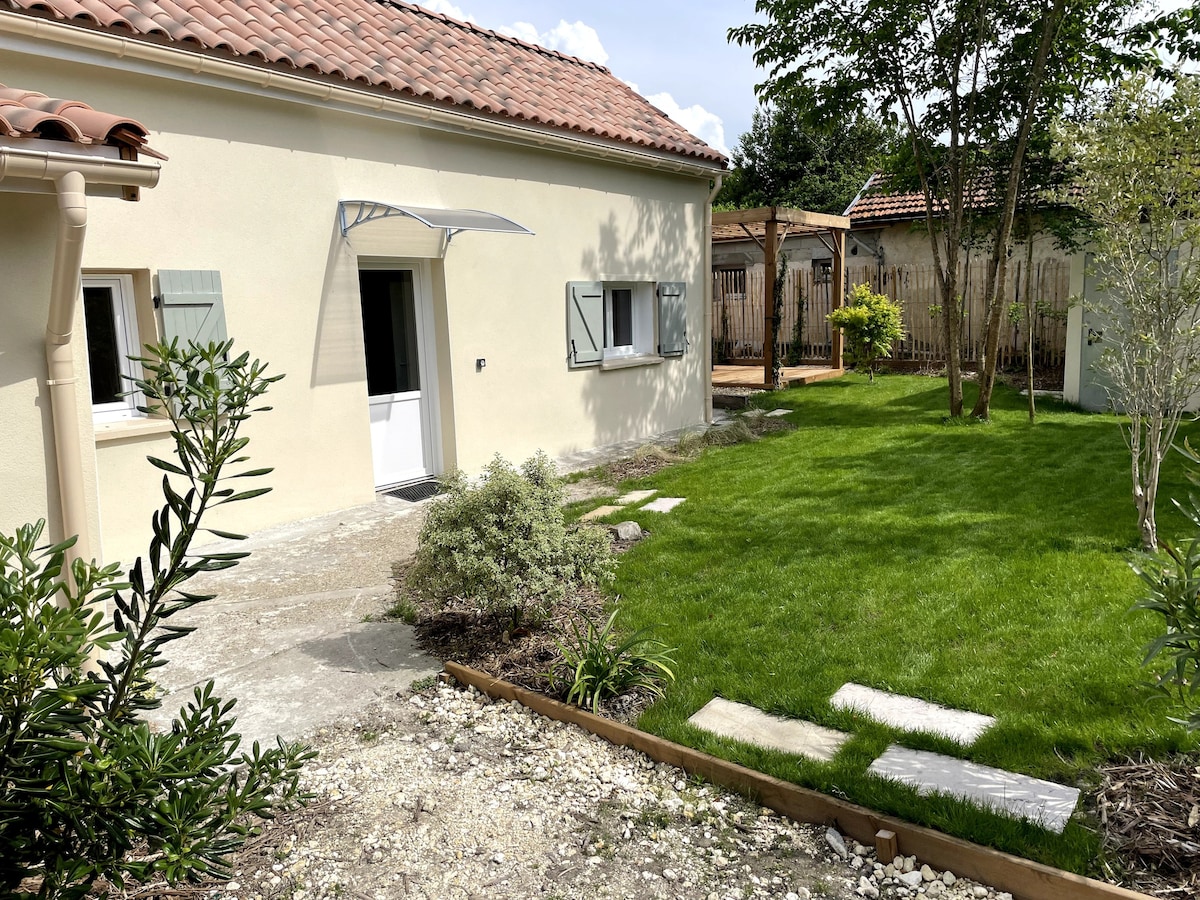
(448, 795)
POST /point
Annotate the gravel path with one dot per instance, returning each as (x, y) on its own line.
(446, 794)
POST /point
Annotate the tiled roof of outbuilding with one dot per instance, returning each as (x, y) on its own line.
(403, 48)
(875, 204)
(28, 114)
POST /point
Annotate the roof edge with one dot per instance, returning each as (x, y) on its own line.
(498, 35)
(314, 87)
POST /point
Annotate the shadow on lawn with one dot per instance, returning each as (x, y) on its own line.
(949, 491)
(841, 404)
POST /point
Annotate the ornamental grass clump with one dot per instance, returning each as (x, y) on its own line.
(595, 667)
(502, 547)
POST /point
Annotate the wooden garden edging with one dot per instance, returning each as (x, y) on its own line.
(1022, 878)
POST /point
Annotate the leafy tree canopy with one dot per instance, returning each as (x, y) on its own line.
(962, 78)
(787, 159)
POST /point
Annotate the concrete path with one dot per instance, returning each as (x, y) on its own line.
(286, 634)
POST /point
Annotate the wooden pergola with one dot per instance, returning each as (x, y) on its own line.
(780, 222)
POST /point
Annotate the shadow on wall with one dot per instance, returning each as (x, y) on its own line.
(662, 240)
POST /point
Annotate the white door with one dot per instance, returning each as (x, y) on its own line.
(393, 336)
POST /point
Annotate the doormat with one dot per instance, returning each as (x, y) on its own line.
(416, 491)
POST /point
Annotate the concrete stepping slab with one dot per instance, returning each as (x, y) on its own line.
(776, 413)
(598, 512)
(634, 497)
(1045, 802)
(747, 723)
(663, 504)
(912, 714)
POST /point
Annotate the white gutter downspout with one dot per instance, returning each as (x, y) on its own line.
(60, 360)
(708, 298)
(70, 174)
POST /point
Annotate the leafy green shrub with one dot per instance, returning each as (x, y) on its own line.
(597, 669)
(1172, 579)
(872, 324)
(502, 545)
(87, 790)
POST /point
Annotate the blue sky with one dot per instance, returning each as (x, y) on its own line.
(674, 52)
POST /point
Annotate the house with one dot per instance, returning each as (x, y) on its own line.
(888, 247)
(453, 243)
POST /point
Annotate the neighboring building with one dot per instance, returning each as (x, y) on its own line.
(888, 246)
(327, 165)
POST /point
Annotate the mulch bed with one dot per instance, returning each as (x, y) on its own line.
(523, 656)
(1149, 815)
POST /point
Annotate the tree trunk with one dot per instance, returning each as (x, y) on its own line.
(952, 333)
(1029, 316)
(994, 294)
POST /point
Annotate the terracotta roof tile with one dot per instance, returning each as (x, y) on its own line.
(875, 204)
(402, 48)
(874, 207)
(28, 114)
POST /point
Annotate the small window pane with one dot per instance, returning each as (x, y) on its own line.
(104, 348)
(390, 331)
(622, 317)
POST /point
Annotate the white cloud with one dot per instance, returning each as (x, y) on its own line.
(574, 39)
(447, 9)
(695, 118)
(524, 31)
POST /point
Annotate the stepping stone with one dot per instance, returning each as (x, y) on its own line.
(912, 714)
(663, 504)
(1044, 802)
(634, 497)
(746, 723)
(598, 512)
(775, 413)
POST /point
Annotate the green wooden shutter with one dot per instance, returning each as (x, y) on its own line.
(585, 323)
(672, 318)
(193, 308)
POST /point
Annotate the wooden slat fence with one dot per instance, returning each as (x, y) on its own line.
(738, 313)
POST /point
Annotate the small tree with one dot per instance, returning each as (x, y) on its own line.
(1137, 168)
(971, 84)
(872, 324)
(87, 790)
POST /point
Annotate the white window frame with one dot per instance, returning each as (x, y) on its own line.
(125, 322)
(642, 311)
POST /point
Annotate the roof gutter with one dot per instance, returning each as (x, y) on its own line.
(706, 337)
(70, 174)
(311, 90)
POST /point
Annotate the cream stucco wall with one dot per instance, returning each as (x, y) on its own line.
(251, 189)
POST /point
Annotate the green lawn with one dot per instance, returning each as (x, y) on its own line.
(978, 566)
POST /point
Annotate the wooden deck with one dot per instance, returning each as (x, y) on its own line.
(752, 376)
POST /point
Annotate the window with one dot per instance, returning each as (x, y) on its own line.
(822, 271)
(628, 320)
(615, 324)
(110, 320)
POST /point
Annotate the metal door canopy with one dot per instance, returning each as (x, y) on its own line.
(352, 213)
